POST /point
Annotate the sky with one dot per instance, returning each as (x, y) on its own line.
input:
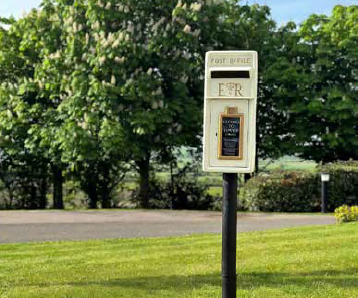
(282, 10)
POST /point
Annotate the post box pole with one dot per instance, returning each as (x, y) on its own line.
(229, 220)
(324, 196)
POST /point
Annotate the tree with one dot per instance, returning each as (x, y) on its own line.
(122, 75)
(22, 171)
(313, 83)
(330, 128)
(245, 27)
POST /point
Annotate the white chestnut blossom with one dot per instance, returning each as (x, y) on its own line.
(130, 27)
(119, 60)
(96, 25)
(69, 21)
(159, 91)
(102, 60)
(154, 105)
(116, 43)
(113, 80)
(120, 36)
(184, 79)
(196, 32)
(187, 29)
(195, 6)
(74, 27)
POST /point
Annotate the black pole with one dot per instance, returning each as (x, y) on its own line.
(229, 221)
(324, 196)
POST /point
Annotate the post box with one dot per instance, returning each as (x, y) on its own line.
(229, 143)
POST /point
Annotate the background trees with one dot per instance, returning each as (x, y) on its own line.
(91, 90)
(24, 172)
(330, 109)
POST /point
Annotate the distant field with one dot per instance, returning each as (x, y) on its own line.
(292, 164)
(214, 180)
(313, 262)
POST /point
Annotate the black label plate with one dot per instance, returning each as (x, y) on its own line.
(230, 138)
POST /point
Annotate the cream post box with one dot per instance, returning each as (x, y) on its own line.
(230, 111)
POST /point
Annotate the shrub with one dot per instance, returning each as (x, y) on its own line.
(184, 193)
(346, 213)
(343, 184)
(301, 191)
(182, 190)
(281, 192)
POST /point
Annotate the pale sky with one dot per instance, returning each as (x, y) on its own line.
(281, 10)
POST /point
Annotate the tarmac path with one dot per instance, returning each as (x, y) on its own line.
(53, 225)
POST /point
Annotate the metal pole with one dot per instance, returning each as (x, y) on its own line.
(229, 221)
(324, 196)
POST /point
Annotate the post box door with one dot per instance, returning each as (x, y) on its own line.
(217, 107)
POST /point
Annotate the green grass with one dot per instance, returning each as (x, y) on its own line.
(301, 262)
(293, 166)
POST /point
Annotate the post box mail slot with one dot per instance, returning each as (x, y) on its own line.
(227, 74)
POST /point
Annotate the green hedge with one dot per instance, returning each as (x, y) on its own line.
(301, 191)
(343, 184)
(281, 192)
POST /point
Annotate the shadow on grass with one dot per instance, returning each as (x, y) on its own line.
(245, 281)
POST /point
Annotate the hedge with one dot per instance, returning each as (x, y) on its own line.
(343, 184)
(301, 191)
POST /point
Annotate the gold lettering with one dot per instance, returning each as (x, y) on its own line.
(238, 89)
(231, 89)
(221, 89)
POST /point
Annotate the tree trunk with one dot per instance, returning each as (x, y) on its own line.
(143, 165)
(106, 188)
(92, 194)
(57, 187)
(33, 204)
(43, 192)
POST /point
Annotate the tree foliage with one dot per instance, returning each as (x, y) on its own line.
(95, 88)
(330, 108)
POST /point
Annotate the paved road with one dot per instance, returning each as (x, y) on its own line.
(26, 226)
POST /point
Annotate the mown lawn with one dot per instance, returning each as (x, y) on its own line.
(301, 262)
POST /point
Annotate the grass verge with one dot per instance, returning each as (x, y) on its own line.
(301, 262)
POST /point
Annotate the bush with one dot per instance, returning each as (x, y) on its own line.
(182, 190)
(184, 193)
(346, 213)
(281, 192)
(301, 191)
(343, 184)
